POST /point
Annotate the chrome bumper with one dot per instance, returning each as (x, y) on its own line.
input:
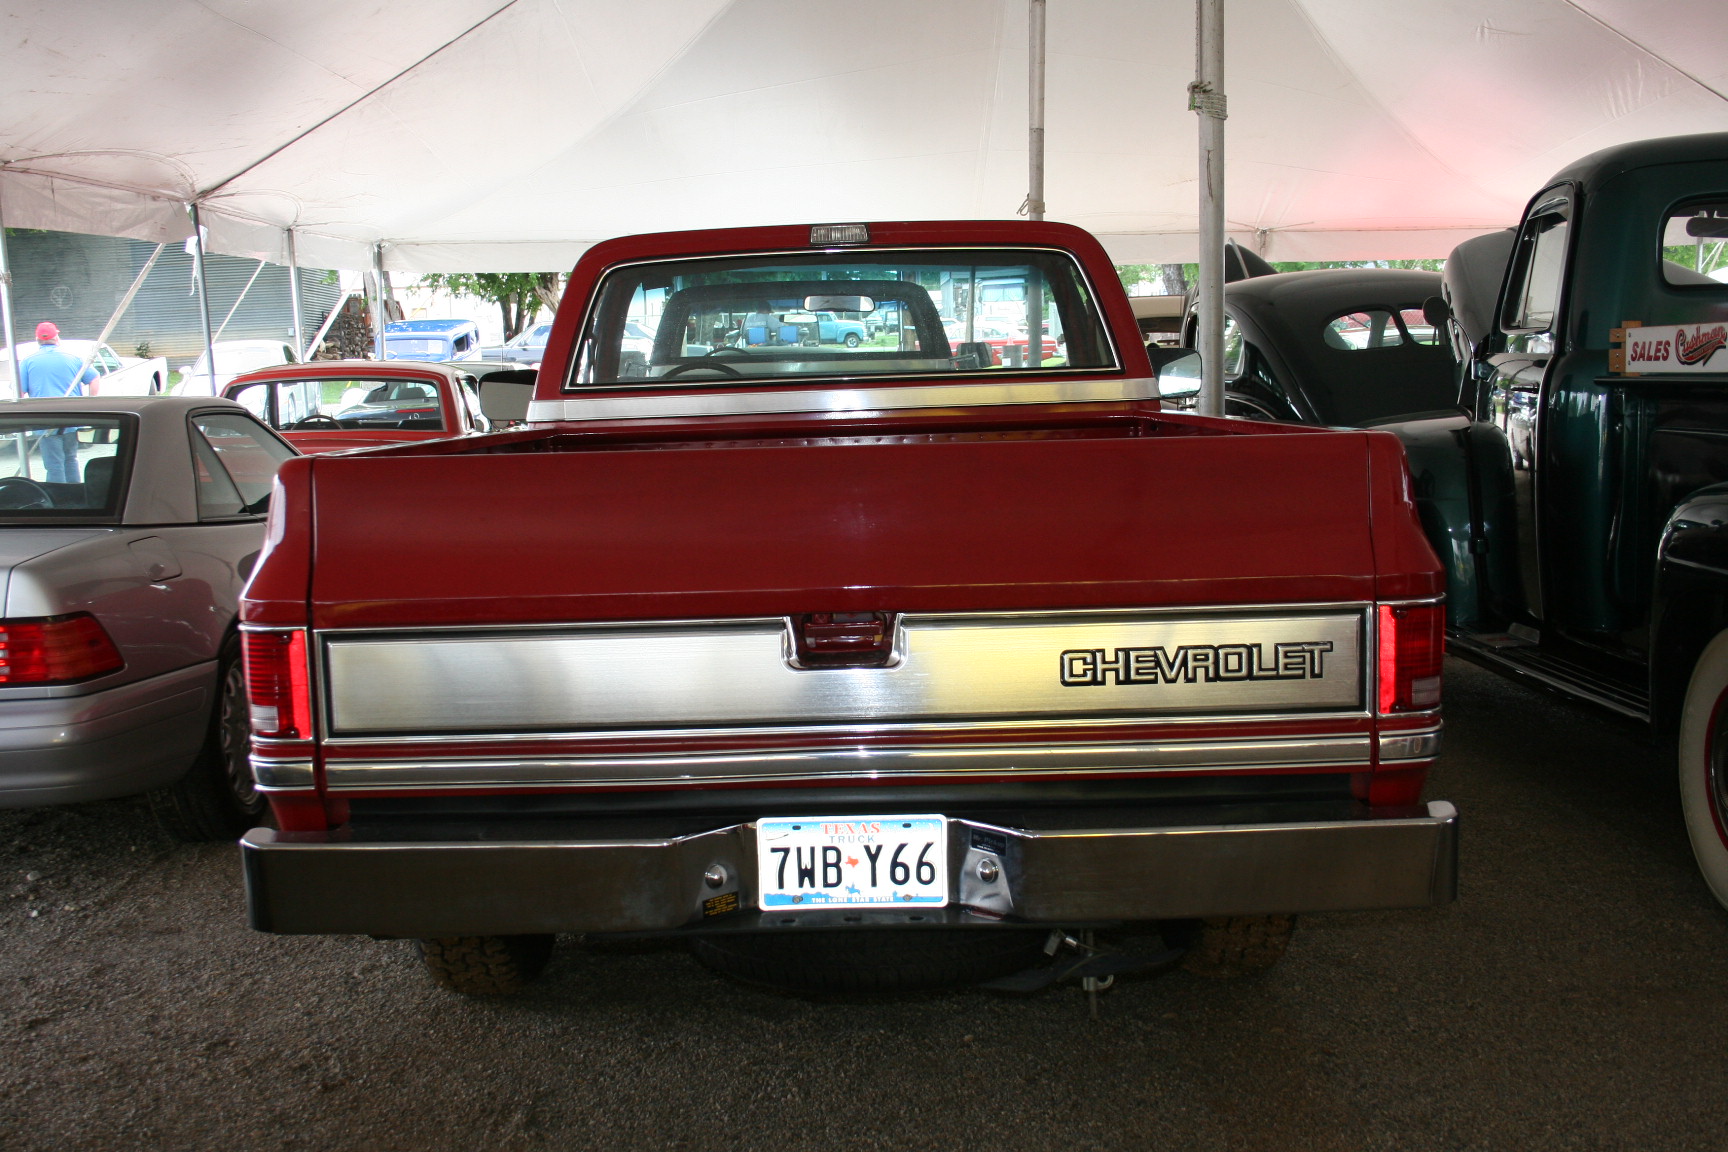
(319, 883)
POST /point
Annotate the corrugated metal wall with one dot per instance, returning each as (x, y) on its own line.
(77, 280)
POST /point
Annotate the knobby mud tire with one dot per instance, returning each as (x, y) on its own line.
(1226, 947)
(870, 960)
(485, 965)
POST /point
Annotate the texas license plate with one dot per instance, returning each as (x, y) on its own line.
(882, 861)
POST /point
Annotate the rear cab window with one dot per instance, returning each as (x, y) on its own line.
(790, 317)
(346, 402)
(1695, 244)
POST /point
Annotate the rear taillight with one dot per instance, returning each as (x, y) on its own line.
(1412, 650)
(276, 685)
(56, 650)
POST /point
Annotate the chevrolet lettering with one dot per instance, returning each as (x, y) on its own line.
(803, 623)
(1197, 663)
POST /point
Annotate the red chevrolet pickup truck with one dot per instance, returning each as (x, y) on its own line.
(859, 667)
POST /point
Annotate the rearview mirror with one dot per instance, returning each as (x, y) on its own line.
(839, 304)
(1707, 227)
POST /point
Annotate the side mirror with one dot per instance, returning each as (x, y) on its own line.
(1178, 371)
(1436, 312)
(504, 400)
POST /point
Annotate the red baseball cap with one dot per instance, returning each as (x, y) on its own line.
(46, 331)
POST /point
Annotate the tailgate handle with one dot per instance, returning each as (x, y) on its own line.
(843, 640)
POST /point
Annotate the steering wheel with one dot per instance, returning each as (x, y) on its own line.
(18, 493)
(728, 350)
(718, 366)
(316, 420)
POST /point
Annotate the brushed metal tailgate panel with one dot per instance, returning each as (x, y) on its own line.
(726, 673)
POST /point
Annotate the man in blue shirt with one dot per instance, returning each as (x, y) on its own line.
(53, 372)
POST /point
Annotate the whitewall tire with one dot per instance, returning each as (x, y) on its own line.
(1704, 765)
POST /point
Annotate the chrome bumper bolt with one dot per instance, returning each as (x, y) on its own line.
(988, 871)
(714, 877)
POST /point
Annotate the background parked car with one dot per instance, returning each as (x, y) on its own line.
(1334, 346)
(432, 340)
(232, 358)
(527, 348)
(118, 375)
(331, 405)
(127, 527)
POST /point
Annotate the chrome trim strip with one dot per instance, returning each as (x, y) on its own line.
(832, 764)
(842, 400)
(309, 883)
(272, 775)
(1181, 611)
(985, 728)
(956, 667)
(1410, 746)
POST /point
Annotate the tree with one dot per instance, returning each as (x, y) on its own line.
(519, 295)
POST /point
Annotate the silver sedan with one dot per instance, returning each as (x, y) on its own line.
(127, 527)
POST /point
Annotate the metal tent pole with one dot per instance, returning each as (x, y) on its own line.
(1035, 112)
(1035, 174)
(378, 301)
(120, 310)
(300, 349)
(203, 299)
(238, 300)
(6, 312)
(1206, 96)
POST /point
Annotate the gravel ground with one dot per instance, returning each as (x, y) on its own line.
(1575, 997)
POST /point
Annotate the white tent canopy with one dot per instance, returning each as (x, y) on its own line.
(508, 135)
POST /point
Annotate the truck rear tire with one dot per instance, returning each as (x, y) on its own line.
(1704, 765)
(216, 799)
(871, 960)
(485, 965)
(1226, 947)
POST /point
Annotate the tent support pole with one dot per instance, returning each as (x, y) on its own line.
(1035, 174)
(203, 300)
(1035, 110)
(300, 349)
(238, 300)
(120, 309)
(1206, 96)
(6, 315)
(378, 301)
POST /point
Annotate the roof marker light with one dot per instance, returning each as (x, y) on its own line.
(839, 234)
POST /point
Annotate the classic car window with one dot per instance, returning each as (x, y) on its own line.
(1416, 327)
(1534, 298)
(1235, 350)
(707, 323)
(69, 468)
(1695, 244)
(235, 460)
(1356, 331)
(105, 360)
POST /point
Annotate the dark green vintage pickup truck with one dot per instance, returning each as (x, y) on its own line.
(1580, 506)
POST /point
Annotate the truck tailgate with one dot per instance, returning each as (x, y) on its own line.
(934, 525)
